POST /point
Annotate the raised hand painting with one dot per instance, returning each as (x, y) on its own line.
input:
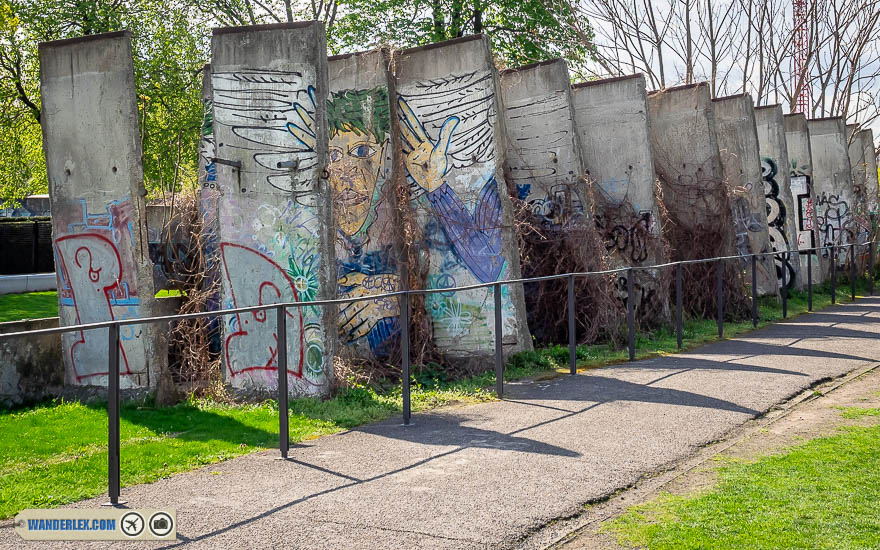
(448, 138)
(359, 122)
(476, 238)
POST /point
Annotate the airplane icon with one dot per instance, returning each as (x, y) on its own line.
(132, 524)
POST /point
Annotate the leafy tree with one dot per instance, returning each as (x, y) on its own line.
(521, 31)
(169, 43)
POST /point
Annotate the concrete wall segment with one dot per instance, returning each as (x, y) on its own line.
(447, 94)
(737, 137)
(276, 218)
(96, 191)
(782, 214)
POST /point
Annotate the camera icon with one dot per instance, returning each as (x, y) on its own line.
(161, 524)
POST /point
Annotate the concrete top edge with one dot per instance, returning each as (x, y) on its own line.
(606, 80)
(679, 87)
(266, 27)
(771, 106)
(826, 118)
(733, 96)
(534, 65)
(87, 38)
(354, 54)
(435, 45)
(795, 115)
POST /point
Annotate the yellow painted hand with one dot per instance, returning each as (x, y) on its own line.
(304, 129)
(358, 318)
(426, 161)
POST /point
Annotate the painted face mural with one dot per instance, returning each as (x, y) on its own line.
(448, 137)
(359, 122)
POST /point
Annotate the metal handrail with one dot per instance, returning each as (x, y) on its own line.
(343, 301)
(113, 397)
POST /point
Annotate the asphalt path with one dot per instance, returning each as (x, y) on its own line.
(491, 475)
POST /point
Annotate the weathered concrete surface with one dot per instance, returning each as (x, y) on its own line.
(209, 196)
(781, 218)
(686, 159)
(542, 146)
(491, 475)
(363, 180)
(30, 366)
(865, 204)
(452, 136)
(832, 184)
(612, 122)
(800, 160)
(741, 164)
(96, 188)
(872, 188)
(276, 219)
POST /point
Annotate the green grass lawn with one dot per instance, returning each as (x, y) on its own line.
(56, 453)
(39, 305)
(31, 305)
(822, 494)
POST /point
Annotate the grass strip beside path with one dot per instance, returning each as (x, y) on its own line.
(56, 453)
(822, 494)
(31, 305)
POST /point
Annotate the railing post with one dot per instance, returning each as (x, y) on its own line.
(678, 301)
(499, 350)
(852, 272)
(403, 301)
(755, 291)
(810, 280)
(719, 287)
(630, 314)
(113, 414)
(833, 274)
(572, 344)
(784, 288)
(283, 425)
(871, 268)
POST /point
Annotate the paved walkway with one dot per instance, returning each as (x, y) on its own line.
(489, 475)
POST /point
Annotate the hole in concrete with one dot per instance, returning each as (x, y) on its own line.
(114, 169)
(67, 171)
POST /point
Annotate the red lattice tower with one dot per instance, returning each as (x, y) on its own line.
(800, 42)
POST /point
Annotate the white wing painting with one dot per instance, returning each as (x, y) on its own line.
(260, 113)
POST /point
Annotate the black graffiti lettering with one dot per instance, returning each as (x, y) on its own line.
(776, 223)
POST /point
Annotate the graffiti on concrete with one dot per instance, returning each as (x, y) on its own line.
(269, 224)
(360, 161)
(209, 195)
(540, 158)
(447, 130)
(252, 343)
(776, 220)
(645, 292)
(834, 218)
(801, 189)
(99, 285)
(627, 238)
(745, 221)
